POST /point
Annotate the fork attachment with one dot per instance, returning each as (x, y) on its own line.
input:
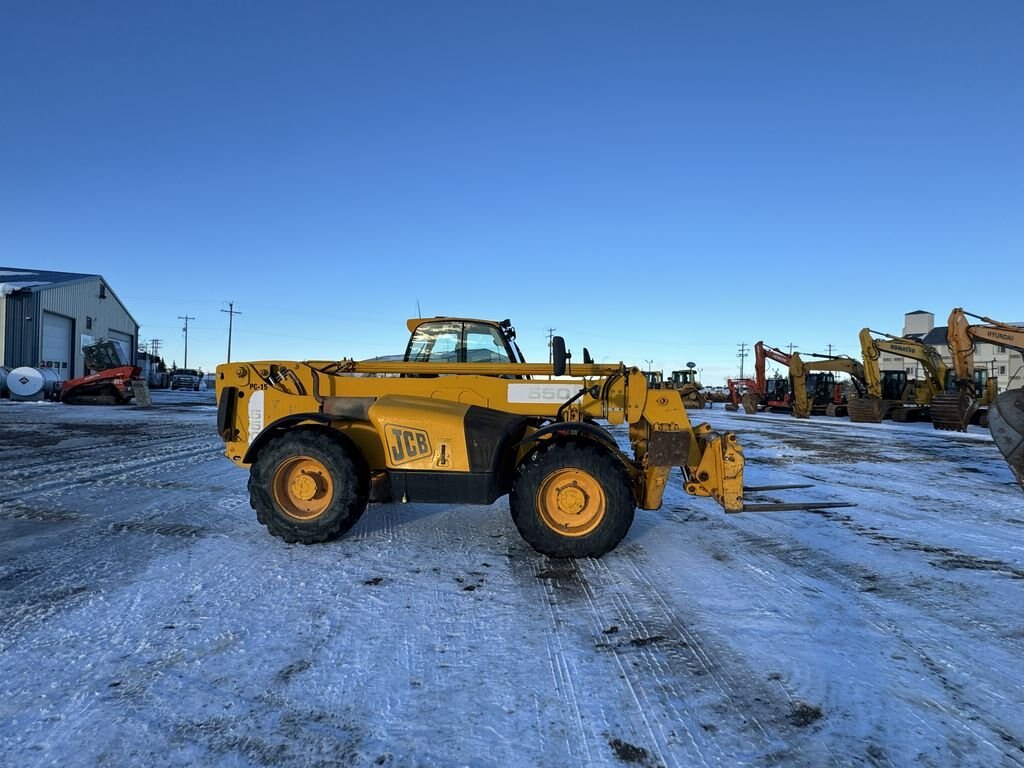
(785, 506)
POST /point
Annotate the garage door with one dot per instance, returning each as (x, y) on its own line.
(57, 352)
(125, 341)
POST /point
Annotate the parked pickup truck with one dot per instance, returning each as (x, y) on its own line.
(186, 378)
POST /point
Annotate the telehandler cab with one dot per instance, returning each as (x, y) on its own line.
(463, 419)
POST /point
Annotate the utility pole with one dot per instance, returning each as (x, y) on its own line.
(792, 346)
(650, 364)
(186, 318)
(231, 316)
(830, 350)
(155, 344)
(742, 355)
(551, 335)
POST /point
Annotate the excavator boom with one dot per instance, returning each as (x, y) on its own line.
(1005, 414)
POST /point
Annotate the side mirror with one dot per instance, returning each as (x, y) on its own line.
(587, 359)
(558, 356)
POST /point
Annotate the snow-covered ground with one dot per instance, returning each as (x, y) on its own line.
(146, 619)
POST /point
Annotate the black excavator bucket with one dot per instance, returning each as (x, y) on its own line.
(953, 411)
(868, 410)
(1006, 422)
(786, 506)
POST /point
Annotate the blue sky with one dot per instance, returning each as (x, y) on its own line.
(656, 181)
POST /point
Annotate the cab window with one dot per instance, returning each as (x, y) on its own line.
(457, 342)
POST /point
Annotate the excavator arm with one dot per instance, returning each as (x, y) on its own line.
(798, 371)
(1006, 413)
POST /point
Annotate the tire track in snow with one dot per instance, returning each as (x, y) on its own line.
(873, 592)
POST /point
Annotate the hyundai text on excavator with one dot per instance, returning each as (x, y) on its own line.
(888, 393)
(464, 419)
(1005, 413)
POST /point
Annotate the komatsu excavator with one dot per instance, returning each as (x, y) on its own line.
(832, 402)
(882, 400)
(1005, 412)
(463, 419)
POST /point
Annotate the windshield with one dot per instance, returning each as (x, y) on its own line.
(453, 341)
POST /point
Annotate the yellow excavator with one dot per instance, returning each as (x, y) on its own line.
(972, 391)
(464, 419)
(888, 393)
(1005, 412)
(829, 392)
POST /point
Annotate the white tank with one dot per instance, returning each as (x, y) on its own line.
(3, 380)
(27, 383)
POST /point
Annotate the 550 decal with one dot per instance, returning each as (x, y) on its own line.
(406, 444)
(541, 393)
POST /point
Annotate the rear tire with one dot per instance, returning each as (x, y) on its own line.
(308, 487)
(572, 499)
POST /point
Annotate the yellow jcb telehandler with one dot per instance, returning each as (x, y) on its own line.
(463, 419)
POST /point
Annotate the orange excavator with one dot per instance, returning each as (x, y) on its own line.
(775, 394)
(742, 392)
(1005, 412)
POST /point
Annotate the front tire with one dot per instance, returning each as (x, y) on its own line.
(572, 499)
(308, 486)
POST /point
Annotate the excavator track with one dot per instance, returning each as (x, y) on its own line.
(868, 410)
(1006, 422)
(953, 411)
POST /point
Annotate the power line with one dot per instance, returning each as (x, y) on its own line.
(186, 318)
(231, 316)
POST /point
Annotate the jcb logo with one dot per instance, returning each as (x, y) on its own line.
(406, 444)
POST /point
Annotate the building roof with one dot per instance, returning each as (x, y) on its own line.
(935, 336)
(919, 312)
(13, 279)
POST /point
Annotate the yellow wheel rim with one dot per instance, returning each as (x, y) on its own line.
(303, 487)
(571, 502)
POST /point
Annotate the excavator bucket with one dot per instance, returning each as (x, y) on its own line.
(868, 410)
(749, 402)
(1006, 422)
(953, 411)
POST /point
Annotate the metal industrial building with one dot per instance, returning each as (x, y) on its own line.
(46, 318)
